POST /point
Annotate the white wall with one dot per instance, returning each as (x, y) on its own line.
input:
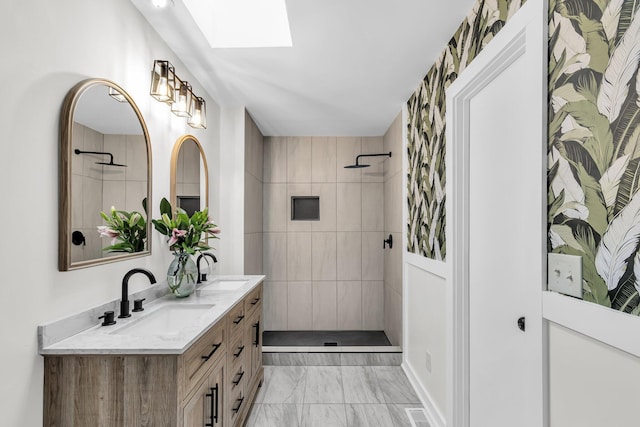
(591, 384)
(231, 190)
(47, 48)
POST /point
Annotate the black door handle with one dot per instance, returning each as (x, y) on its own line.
(521, 324)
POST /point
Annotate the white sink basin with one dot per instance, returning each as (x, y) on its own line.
(224, 285)
(166, 320)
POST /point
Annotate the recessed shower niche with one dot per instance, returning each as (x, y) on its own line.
(305, 208)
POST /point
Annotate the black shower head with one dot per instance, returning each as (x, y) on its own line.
(111, 164)
(357, 165)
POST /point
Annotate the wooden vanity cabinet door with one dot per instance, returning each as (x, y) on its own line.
(254, 341)
(205, 407)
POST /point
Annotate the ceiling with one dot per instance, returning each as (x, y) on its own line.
(352, 66)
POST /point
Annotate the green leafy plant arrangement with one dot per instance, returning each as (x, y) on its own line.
(185, 233)
(128, 230)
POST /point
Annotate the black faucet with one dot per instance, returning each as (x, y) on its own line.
(203, 277)
(124, 304)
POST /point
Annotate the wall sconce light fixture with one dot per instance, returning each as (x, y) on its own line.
(116, 95)
(167, 87)
(198, 117)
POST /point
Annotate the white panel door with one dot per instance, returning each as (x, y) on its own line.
(497, 112)
(503, 249)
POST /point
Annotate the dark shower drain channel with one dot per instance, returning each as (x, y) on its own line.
(325, 338)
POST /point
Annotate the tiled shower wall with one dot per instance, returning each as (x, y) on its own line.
(101, 187)
(393, 225)
(326, 274)
(253, 163)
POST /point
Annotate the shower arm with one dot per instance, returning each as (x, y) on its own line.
(371, 155)
(95, 152)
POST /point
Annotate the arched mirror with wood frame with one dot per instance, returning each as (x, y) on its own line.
(189, 175)
(105, 177)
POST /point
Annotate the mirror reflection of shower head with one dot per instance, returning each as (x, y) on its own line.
(357, 165)
(110, 163)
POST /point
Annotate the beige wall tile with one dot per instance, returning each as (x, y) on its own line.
(375, 172)
(298, 159)
(349, 204)
(349, 263)
(297, 190)
(275, 214)
(324, 306)
(373, 207)
(253, 253)
(393, 204)
(299, 256)
(117, 145)
(324, 256)
(77, 208)
(323, 159)
(252, 204)
(137, 159)
(275, 306)
(114, 194)
(373, 305)
(393, 143)
(348, 148)
(393, 316)
(93, 141)
(328, 210)
(275, 160)
(300, 306)
(349, 305)
(275, 256)
(136, 191)
(91, 202)
(372, 256)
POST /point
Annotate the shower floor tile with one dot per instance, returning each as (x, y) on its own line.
(320, 338)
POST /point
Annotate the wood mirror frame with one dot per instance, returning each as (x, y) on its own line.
(65, 230)
(174, 171)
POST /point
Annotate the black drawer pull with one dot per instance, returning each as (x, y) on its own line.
(255, 301)
(214, 406)
(236, 355)
(215, 348)
(239, 319)
(237, 408)
(257, 340)
(239, 378)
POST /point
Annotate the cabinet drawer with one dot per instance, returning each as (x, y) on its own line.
(238, 378)
(235, 319)
(236, 404)
(237, 352)
(253, 301)
(204, 354)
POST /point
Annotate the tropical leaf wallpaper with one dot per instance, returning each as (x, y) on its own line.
(426, 126)
(594, 145)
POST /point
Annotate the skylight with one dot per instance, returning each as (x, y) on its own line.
(242, 23)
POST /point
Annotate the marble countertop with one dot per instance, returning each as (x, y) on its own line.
(62, 337)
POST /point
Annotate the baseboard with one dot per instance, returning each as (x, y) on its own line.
(434, 416)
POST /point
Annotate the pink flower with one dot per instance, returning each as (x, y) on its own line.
(176, 235)
(215, 230)
(105, 231)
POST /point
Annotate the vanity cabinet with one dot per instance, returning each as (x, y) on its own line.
(211, 384)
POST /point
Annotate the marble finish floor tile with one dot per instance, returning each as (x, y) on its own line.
(275, 415)
(394, 385)
(284, 384)
(324, 416)
(324, 385)
(399, 416)
(361, 385)
(368, 415)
